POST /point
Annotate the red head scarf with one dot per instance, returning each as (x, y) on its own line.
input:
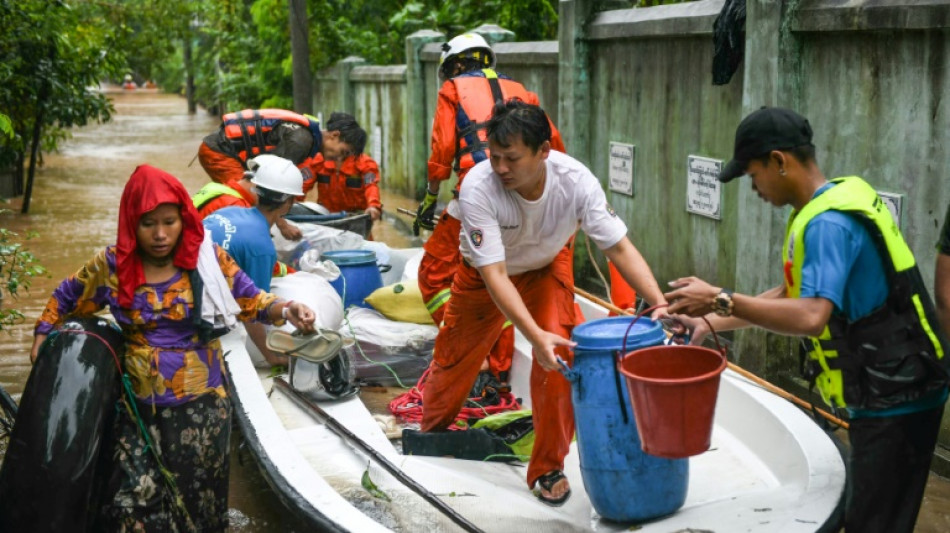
(148, 188)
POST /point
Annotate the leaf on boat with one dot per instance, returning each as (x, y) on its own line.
(371, 487)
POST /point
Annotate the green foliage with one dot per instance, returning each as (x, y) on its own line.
(530, 20)
(242, 47)
(50, 53)
(6, 127)
(18, 267)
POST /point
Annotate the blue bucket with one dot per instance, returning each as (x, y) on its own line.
(359, 275)
(624, 484)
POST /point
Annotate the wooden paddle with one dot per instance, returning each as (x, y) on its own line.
(342, 431)
(735, 368)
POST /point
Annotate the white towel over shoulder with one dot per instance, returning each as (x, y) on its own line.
(218, 305)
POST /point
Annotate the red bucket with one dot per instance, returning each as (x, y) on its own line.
(673, 390)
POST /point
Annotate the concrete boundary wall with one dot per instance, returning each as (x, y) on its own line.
(871, 76)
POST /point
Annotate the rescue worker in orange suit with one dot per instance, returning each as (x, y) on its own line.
(459, 142)
(518, 210)
(252, 132)
(348, 184)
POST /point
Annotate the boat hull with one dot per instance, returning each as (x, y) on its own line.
(770, 467)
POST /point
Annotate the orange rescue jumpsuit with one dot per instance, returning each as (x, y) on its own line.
(464, 106)
(472, 323)
(352, 187)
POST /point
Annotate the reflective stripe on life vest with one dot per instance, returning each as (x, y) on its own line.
(880, 360)
(210, 191)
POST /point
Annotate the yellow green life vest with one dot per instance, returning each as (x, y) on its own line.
(210, 191)
(895, 354)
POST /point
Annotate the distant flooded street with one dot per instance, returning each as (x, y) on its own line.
(74, 211)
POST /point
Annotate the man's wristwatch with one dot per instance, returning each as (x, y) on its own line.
(722, 303)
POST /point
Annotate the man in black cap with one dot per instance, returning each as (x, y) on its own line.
(852, 289)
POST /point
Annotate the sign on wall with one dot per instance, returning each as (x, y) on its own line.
(894, 203)
(622, 158)
(703, 193)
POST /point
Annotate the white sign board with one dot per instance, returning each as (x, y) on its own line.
(894, 203)
(703, 192)
(378, 145)
(622, 157)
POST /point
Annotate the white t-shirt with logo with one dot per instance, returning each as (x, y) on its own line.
(500, 225)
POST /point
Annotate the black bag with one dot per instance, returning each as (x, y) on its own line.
(729, 41)
(474, 444)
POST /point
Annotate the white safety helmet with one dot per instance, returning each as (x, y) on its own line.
(276, 174)
(470, 45)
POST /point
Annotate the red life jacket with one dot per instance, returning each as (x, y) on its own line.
(477, 93)
(249, 130)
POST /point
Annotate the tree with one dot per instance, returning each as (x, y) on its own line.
(50, 53)
(241, 48)
(17, 265)
(530, 20)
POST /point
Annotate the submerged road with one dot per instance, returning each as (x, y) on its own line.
(74, 210)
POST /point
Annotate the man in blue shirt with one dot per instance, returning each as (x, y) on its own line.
(853, 288)
(244, 232)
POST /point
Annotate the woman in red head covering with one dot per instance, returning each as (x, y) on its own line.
(157, 288)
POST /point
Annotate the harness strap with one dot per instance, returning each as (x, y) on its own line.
(259, 131)
(245, 135)
(496, 93)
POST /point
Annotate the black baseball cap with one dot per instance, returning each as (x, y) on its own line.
(769, 128)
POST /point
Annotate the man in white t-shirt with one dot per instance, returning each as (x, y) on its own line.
(519, 211)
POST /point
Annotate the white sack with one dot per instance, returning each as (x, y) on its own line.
(315, 237)
(368, 325)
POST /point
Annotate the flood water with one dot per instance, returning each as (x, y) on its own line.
(74, 210)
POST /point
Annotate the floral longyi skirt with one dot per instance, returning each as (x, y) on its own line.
(192, 441)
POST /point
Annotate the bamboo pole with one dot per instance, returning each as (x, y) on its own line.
(735, 368)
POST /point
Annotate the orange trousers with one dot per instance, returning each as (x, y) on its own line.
(472, 322)
(436, 271)
(222, 168)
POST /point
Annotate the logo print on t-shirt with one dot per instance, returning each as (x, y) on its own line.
(610, 209)
(476, 238)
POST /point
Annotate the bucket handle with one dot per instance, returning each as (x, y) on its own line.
(620, 354)
(715, 336)
(573, 376)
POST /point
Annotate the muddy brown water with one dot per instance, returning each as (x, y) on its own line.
(74, 210)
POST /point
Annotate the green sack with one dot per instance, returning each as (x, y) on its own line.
(516, 428)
